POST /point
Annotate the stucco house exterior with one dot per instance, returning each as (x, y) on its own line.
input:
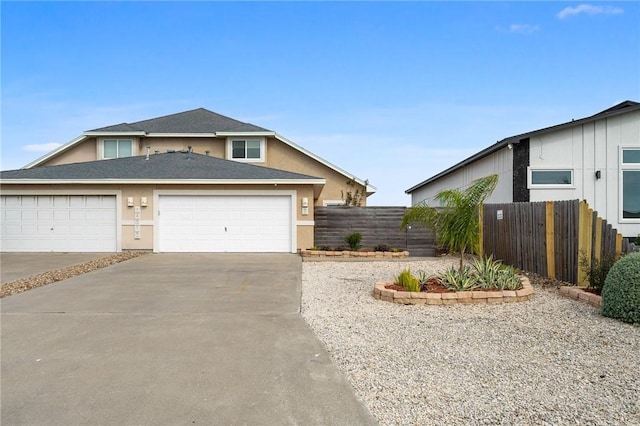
(596, 158)
(194, 181)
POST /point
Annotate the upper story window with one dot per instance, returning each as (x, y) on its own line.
(554, 178)
(631, 156)
(245, 149)
(630, 182)
(117, 148)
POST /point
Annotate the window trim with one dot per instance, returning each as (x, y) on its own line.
(262, 142)
(134, 147)
(531, 185)
(625, 167)
(630, 148)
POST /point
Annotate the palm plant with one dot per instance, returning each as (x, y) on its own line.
(456, 223)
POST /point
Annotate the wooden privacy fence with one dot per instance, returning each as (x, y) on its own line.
(378, 225)
(548, 237)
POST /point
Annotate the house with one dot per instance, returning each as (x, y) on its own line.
(596, 159)
(195, 181)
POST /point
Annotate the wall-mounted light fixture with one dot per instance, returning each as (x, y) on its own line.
(598, 174)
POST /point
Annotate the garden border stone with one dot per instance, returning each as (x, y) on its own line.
(380, 292)
(347, 253)
(578, 293)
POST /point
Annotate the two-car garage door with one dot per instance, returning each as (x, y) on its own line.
(185, 223)
(59, 223)
(224, 223)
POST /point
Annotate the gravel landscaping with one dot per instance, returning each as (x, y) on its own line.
(548, 361)
(39, 280)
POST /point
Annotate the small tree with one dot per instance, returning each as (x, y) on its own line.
(456, 223)
(354, 198)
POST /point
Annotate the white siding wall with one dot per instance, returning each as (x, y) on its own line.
(585, 149)
(500, 163)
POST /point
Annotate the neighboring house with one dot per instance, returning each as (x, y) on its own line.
(596, 159)
(195, 181)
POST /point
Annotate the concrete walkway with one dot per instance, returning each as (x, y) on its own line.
(180, 339)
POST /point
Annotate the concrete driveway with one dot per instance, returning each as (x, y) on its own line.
(14, 266)
(179, 339)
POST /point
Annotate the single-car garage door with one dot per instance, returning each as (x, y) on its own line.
(71, 223)
(224, 223)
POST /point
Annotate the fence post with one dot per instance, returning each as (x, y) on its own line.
(550, 240)
(598, 240)
(618, 245)
(585, 226)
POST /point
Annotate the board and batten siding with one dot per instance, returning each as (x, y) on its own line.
(500, 163)
(587, 148)
(583, 148)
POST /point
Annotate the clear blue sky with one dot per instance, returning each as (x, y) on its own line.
(393, 92)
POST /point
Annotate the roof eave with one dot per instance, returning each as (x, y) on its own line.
(117, 133)
(164, 181)
(261, 133)
(485, 152)
(370, 189)
(55, 152)
(613, 111)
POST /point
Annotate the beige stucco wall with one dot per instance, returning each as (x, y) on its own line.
(279, 155)
(303, 223)
(84, 151)
(282, 156)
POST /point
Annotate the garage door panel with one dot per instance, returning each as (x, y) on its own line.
(11, 215)
(224, 223)
(59, 223)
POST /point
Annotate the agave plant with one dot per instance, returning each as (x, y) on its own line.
(487, 271)
(508, 278)
(460, 279)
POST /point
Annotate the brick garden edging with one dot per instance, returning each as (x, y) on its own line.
(347, 253)
(452, 298)
(578, 293)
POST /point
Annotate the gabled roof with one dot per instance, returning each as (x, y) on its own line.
(183, 166)
(198, 122)
(621, 108)
(195, 121)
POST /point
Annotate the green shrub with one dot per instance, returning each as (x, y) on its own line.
(621, 291)
(408, 281)
(381, 247)
(353, 240)
(596, 272)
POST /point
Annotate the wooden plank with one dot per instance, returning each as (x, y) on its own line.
(597, 246)
(550, 243)
(582, 240)
(618, 245)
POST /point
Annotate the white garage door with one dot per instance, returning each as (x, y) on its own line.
(72, 223)
(224, 223)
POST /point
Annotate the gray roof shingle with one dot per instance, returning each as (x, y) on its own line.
(166, 166)
(195, 121)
